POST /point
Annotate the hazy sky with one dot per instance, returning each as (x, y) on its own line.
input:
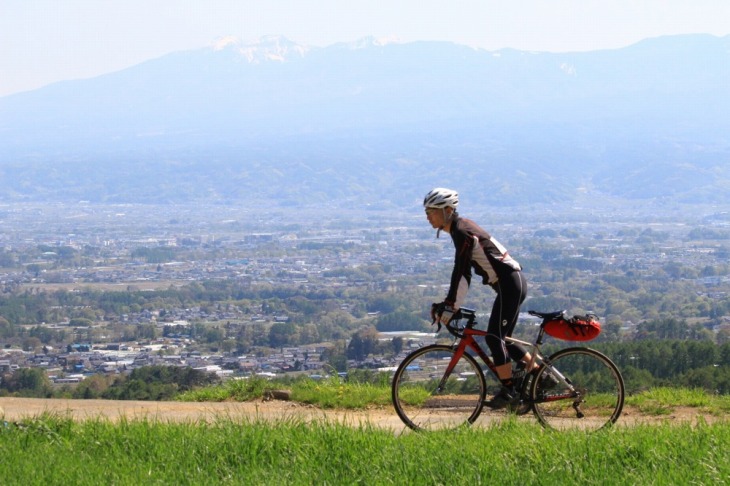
(43, 41)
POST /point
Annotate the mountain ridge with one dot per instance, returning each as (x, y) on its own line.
(639, 122)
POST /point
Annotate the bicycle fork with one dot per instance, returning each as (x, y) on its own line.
(459, 350)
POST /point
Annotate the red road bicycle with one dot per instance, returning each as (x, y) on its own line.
(442, 386)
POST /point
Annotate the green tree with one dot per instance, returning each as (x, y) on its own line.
(28, 382)
(6, 329)
(32, 344)
(362, 344)
(397, 344)
(214, 335)
(157, 383)
(400, 321)
(281, 334)
(335, 356)
(93, 386)
(80, 322)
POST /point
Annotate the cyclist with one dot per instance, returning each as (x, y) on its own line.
(477, 249)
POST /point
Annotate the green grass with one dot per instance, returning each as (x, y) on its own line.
(231, 390)
(49, 450)
(335, 393)
(327, 393)
(663, 401)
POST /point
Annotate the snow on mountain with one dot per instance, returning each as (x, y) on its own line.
(371, 41)
(267, 48)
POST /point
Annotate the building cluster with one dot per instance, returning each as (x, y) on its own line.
(83, 360)
(80, 360)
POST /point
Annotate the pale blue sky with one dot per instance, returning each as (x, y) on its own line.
(43, 41)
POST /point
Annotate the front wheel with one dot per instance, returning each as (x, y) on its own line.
(580, 389)
(427, 395)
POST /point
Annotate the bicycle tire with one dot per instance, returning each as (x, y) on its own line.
(422, 404)
(599, 386)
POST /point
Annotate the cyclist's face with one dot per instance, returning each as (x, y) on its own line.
(435, 216)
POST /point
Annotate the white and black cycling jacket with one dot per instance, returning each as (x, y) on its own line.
(477, 249)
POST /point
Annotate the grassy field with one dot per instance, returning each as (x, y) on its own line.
(48, 451)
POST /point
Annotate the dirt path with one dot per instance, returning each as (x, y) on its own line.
(19, 408)
(14, 409)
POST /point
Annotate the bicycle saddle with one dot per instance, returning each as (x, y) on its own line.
(547, 315)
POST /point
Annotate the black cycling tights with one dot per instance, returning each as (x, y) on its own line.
(511, 292)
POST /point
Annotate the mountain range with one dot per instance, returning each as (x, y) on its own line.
(378, 124)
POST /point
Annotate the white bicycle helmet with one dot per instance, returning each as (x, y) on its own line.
(441, 198)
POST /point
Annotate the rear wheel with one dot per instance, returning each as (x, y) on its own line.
(425, 397)
(590, 395)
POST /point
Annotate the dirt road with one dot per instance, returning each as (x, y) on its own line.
(14, 409)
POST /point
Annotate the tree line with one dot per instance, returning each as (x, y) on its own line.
(644, 364)
(144, 383)
(291, 315)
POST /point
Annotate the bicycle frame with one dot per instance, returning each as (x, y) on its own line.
(536, 357)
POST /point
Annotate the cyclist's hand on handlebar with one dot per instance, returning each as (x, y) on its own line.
(446, 316)
(442, 313)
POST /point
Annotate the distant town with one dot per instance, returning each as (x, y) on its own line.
(129, 248)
